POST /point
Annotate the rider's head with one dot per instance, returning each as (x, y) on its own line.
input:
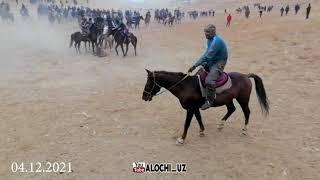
(210, 31)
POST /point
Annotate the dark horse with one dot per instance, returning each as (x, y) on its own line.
(93, 36)
(136, 21)
(120, 39)
(96, 30)
(186, 88)
(77, 37)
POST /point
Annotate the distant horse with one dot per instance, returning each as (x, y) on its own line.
(247, 13)
(120, 39)
(94, 34)
(77, 37)
(136, 21)
(177, 19)
(24, 12)
(169, 21)
(269, 8)
(129, 21)
(187, 89)
(106, 40)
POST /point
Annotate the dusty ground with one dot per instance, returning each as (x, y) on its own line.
(60, 106)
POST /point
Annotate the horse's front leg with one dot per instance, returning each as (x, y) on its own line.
(181, 139)
(75, 46)
(92, 46)
(79, 47)
(126, 49)
(85, 45)
(199, 119)
(116, 48)
(121, 45)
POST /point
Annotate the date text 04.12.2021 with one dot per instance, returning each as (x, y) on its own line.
(37, 167)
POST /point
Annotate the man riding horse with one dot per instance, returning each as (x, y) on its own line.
(85, 25)
(119, 26)
(24, 11)
(213, 61)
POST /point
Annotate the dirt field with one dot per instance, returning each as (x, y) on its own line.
(59, 106)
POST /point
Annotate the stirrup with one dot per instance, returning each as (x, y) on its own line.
(206, 105)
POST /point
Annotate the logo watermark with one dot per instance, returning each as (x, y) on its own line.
(143, 167)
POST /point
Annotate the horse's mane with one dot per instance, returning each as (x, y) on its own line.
(180, 74)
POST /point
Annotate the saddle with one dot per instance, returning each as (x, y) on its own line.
(223, 82)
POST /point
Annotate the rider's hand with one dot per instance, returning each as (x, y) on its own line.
(191, 69)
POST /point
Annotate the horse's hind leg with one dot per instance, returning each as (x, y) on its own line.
(246, 111)
(134, 43)
(76, 46)
(127, 44)
(116, 48)
(180, 140)
(231, 108)
(93, 44)
(79, 47)
(199, 119)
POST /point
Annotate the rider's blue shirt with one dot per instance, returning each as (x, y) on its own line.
(217, 50)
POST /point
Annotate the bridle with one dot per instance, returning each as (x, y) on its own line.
(156, 84)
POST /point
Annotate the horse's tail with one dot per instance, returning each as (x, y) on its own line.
(261, 93)
(71, 40)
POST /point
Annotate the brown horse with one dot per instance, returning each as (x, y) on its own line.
(120, 39)
(77, 37)
(187, 89)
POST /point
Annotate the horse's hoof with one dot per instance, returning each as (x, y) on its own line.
(220, 126)
(201, 134)
(179, 141)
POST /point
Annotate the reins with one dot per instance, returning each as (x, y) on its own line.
(156, 84)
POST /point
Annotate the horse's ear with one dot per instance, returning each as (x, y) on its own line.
(148, 71)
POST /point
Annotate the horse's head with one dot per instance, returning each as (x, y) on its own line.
(151, 88)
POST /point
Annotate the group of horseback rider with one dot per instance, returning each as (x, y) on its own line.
(113, 24)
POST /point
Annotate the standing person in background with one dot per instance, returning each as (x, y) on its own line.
(287, 9)
(296, 8)
(308, 11)
(229, 17)
(260, 13)
(281, 10)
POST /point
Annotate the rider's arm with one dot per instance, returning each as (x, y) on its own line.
(209, 54)
(201, 60)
